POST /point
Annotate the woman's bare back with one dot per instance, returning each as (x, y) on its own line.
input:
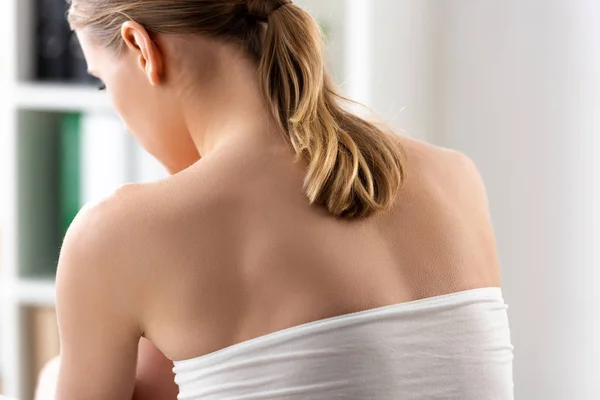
(230, 249)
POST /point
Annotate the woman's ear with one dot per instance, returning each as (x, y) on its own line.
(149, 57)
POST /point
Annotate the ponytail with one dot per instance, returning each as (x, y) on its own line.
(354, 168)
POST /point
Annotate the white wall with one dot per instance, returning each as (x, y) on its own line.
(515, 84)
(405, 35)
(332, 14)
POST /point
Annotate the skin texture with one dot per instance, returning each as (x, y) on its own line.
(228, 248)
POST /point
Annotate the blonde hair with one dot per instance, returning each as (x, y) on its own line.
(354, 167)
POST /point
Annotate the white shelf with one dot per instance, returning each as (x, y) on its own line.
(60, 97)
(32, 292)
(36, 292)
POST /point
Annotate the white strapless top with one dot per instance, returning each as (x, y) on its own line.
(449, 347)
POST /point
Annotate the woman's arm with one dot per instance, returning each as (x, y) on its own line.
(154, 378)
(98, 330)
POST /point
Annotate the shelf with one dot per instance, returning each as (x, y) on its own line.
(60, 97)
(36, 292)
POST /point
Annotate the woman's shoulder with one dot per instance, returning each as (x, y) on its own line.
(92, 259)
(101, 232)
(428, 154)
(126, 214)
(444, 199)
(450, 173)
(137, 220)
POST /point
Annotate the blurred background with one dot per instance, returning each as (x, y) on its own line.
(514, 84)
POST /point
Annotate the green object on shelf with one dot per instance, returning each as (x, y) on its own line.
(70, 138)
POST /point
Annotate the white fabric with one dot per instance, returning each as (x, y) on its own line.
(448, 347)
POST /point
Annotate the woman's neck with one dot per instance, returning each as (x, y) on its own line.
(229, 107)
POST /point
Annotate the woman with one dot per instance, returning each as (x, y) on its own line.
(278, 259)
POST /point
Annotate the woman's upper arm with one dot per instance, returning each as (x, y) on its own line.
(98, 330)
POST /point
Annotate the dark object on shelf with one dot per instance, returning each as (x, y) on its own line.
(58, 53)
(78, 64)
